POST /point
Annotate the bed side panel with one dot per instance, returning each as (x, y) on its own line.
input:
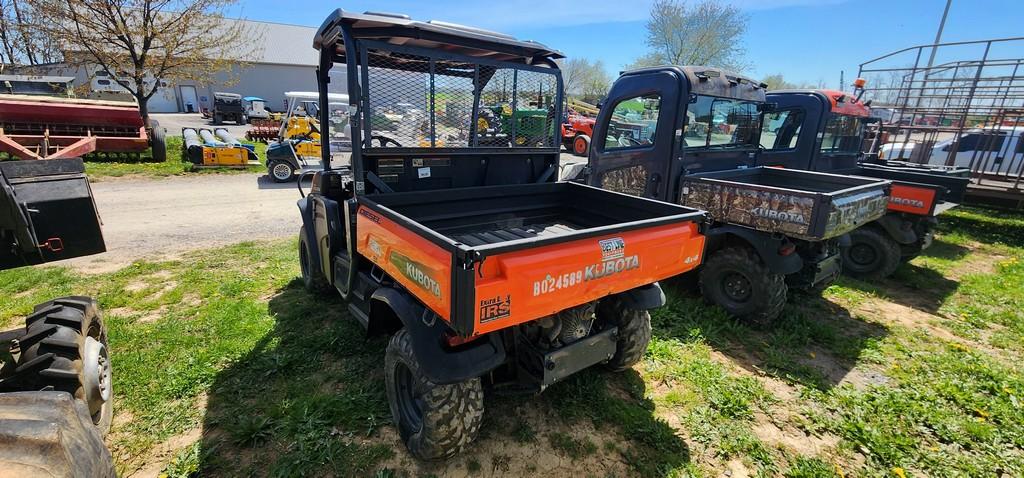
(421, 266)
(850, 211)
(764, 210)
(520, 286)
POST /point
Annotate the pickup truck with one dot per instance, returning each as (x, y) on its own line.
(481, 266)
(770, 230)
(823, 130)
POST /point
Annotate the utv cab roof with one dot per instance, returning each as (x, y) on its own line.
(710, 81)
(400, 30)
(838, 101)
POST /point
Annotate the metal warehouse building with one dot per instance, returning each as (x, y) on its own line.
(284, 61)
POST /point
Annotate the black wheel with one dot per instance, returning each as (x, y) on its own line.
(281, 171)
(581, 145)
(871, 255)
(435, 421)
(736, 279)
(312, 276)
(634, 332)
(158, 143)
(65, 347)
(218, 119)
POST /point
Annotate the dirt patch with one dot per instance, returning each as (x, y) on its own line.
(152, 279)
(906, 316)
(157, 457)
(498, 454)
(981, 260)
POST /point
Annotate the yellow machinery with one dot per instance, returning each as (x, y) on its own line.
(217, 148)
(299, 139)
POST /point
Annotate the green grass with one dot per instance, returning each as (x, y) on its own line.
(282, 383)
(174, 166)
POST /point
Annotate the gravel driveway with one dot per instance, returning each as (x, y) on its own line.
(154, 218)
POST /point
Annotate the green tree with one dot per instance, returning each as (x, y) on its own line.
(708, 33)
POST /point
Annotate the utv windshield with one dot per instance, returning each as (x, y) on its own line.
(842, 135)
(721, 123)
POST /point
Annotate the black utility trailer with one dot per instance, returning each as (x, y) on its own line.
(483, 268)
(706, 120)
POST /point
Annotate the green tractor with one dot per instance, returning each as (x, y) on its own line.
(533, 127)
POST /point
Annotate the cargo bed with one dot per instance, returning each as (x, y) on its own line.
(917, 191)
(802, 204)
(485, 258)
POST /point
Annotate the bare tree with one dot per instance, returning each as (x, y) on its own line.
(143, 44)
(22, 40)
(586, 79)
(778, 82)
(707, 33)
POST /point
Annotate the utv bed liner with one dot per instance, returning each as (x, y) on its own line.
(806, 205)
(502, 218)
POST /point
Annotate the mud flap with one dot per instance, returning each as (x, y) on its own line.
(47, 212)
(898, 228)
(439, 363)
(645, 297)
(766, 245)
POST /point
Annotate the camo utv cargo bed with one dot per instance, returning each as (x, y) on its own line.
(800, 204)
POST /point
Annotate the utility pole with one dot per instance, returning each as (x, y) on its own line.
(842, 84)
(931, 58)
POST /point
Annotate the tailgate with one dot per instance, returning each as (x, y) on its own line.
(524, 285)
(853, 209)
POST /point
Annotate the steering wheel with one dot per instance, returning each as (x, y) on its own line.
(380, 141)
(627, 141)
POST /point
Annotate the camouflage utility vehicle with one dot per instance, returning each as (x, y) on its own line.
(824, 130)
(771, 229)
(484, 270)
(55, 385)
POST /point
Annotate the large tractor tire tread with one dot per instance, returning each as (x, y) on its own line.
(768, 289)
(634, 332)
(450, 414)
(49, 433)
(53, 353)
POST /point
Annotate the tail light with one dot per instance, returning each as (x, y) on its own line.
(453, 340)
(787, 248)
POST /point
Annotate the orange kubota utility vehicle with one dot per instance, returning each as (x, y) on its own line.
(483, 268)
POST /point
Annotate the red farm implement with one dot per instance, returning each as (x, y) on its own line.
(35, 127)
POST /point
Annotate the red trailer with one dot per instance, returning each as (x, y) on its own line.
(42, 127)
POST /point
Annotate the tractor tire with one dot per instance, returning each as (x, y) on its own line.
(280, 171)
(872, 254)
(634, 332)
(581, 145)
(312, 277)
(158, 142)
(736, 279)
(65, 347)
(435, 421)
(50, 434)
(218, 119)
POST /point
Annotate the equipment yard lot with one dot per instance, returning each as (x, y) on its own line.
(225, 365)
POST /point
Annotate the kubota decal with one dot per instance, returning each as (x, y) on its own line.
(783, 216)
(907, 202)
(416, 272)
(369, 215)
(613, 261)
(495, 308)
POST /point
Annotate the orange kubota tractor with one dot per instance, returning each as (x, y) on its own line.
(485, 271)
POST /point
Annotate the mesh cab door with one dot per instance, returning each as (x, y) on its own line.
(47, 212)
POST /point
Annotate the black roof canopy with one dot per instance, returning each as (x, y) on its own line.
(400, 30)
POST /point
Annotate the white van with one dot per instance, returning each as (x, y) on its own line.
(994, 150)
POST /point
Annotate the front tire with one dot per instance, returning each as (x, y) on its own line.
(312, 277)
(634, 332)
(435, 421)
(65, 347)
(281, 171)
(737, 280)
(581, 145)
(158, 142)
(872, 254)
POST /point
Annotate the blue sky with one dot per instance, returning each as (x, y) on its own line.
(806, 40)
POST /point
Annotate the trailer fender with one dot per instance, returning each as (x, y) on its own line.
(439, 363)
(766, 245)
(645, 297)
(283, 151)
(900, 229)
